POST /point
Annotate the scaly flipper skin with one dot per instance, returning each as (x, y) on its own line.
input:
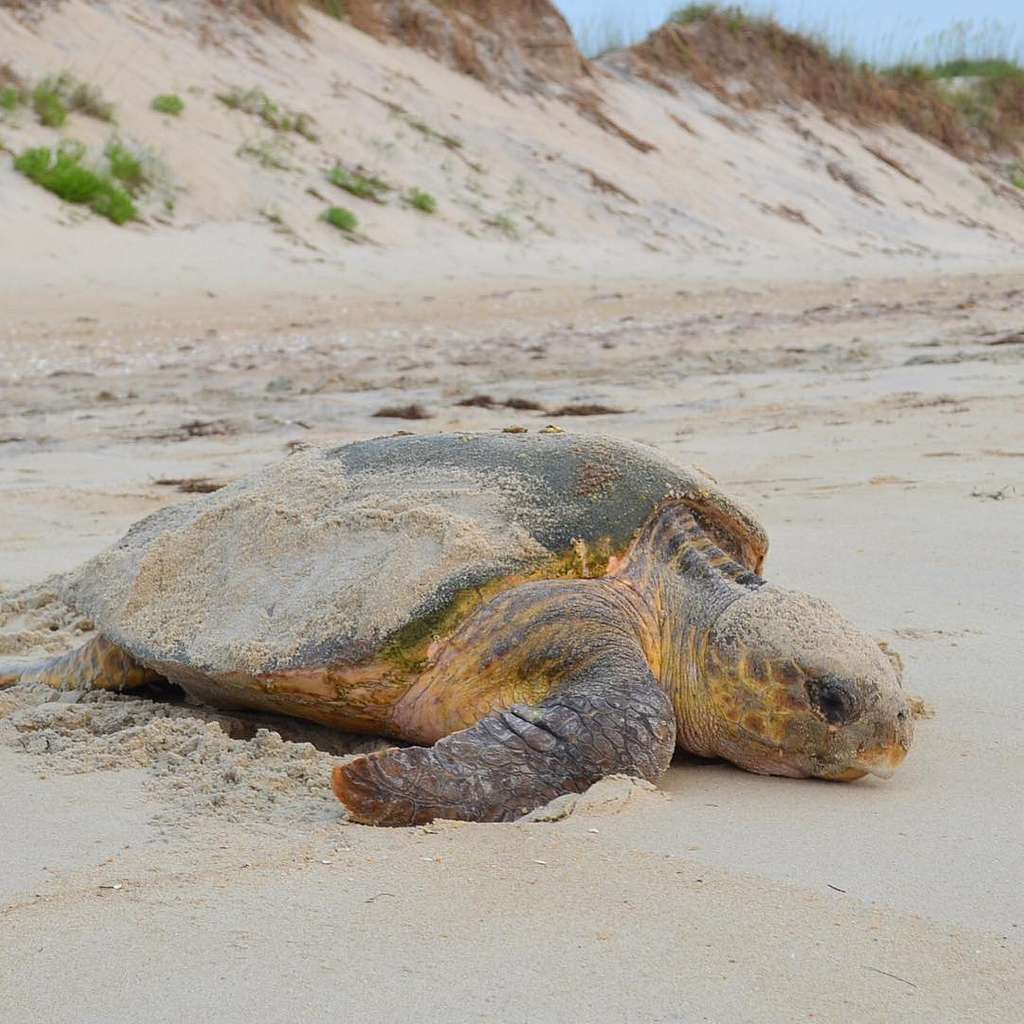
(610, 717)
(97, 665)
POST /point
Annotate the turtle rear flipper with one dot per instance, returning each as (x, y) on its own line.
(611, 718)
(97, 665)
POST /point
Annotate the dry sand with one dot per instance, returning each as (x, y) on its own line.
(856, 382)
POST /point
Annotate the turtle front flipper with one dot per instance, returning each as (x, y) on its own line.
(607, 719)
(97, 665)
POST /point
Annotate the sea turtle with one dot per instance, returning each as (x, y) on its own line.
(534, 611)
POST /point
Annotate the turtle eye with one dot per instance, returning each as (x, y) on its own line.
(834, 699)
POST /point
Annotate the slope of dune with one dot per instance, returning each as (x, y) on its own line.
(601, 171)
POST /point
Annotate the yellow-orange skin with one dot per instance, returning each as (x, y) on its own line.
(98, 665)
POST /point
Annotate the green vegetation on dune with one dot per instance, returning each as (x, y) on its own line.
(168, 104)
(342, 219)
(983, 47)
(63, 173)
(735, 17)
(288, 13)
(375, 190)
(273, 153)
(258, 104)
(422, 201)
(359, 185)
(988, 93)
(335, 8)
(126, 166)
(49, 106)
(969, 68)
(87, 99)
(962, 88)
(448, 141)
(504, 223)
(58, 95)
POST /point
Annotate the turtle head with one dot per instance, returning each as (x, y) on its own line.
(792, 688)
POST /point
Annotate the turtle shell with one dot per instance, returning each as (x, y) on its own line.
(333, 555)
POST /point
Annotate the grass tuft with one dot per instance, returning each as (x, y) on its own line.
(48, 106)
(257, 103)
(693, 13)
(286, 13)
(63, 173)
(962, 88)
(342, 219)
(987, 92)
(58, 95)
(169, 104)
(10, 98)
(993, 104)
(271, 153)
(504, 223)
(965, 67)
(359, 185)
(716, 46)
(126, 167)
(448, 141)
(422, 201)
(335, 8)
(88, 100)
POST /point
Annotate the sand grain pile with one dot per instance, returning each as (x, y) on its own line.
(192, 755)
(35, 621)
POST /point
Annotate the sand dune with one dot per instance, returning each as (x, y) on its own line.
(528, 186)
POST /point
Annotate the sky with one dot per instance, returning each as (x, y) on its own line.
(888, 30)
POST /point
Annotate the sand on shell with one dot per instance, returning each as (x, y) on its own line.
(294, 558)
(321, 558)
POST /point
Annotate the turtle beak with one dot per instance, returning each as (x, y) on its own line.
(881, 759)
(881, 762)
(847, 775)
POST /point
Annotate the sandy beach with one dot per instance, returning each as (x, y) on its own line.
(877, 434)
(859, 385)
